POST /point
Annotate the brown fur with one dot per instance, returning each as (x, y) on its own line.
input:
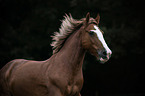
(61, 74)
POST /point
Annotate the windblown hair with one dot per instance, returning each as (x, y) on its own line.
(67, 27)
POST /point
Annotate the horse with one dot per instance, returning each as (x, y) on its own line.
(61, 74)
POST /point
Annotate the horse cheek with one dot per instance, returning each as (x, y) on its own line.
(86, 42)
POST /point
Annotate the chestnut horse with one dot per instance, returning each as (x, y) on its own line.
(61, 74)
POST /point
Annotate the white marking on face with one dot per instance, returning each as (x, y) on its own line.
(101, 38)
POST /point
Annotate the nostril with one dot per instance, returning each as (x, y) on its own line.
(104, 53)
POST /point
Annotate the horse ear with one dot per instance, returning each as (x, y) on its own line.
(87, 18)
(97, 18)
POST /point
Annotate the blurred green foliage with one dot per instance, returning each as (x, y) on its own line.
(26, 27)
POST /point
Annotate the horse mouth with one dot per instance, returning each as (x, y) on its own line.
(101, 60)
(104, 59)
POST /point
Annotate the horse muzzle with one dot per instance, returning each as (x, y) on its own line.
(104, 55)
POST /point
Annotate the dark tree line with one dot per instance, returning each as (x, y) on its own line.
(26, 27)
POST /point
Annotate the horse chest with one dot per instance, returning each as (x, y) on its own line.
(72, 89)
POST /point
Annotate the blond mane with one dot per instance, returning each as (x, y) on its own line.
(67, 27)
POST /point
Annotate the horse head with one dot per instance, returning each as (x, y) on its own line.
(93, 40)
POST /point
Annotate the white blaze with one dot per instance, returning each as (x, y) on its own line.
(101, 38)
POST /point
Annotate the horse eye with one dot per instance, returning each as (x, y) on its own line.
(91, 33)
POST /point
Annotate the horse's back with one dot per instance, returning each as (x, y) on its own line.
(5, 74)
(18, 74)
(6, 71)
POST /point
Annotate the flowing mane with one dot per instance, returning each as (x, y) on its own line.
(68, 26)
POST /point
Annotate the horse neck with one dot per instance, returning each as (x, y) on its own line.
(71, 55)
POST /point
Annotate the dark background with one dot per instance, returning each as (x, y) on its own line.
(26, 27)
